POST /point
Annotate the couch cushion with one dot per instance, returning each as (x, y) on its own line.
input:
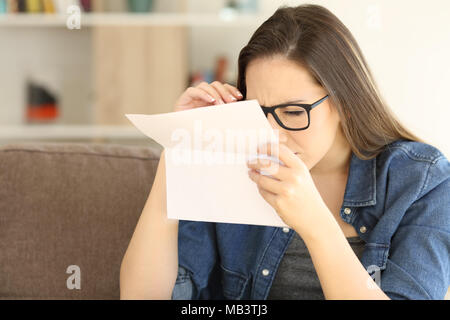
(65, 204)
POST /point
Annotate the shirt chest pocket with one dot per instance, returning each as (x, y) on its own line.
(374, 257)
(233, 283)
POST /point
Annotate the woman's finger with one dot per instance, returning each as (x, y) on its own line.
(266, 183)
(198, 93)
(268, 196)
(234, 91)
(211, 91)
(225, 94)
(272, 168)
(282, 152)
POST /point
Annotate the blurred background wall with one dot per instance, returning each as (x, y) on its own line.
(126, 62)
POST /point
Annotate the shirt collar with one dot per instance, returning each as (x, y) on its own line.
(361, 183)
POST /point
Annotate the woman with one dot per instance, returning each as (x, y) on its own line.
(367, 201)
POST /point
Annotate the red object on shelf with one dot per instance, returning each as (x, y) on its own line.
(42, 112)
(42, 105)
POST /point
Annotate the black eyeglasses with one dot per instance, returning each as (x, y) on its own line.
(292, 116)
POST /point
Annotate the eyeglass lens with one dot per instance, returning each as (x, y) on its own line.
(294, 117)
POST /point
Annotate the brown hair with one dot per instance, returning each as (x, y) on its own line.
(316, 39)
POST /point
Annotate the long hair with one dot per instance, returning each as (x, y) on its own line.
(317, 40)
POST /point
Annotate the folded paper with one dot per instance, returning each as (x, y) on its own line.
(206, 150)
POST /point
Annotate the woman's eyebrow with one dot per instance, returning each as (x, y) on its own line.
(292, 101)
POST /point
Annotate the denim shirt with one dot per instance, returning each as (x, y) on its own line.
(398, 202)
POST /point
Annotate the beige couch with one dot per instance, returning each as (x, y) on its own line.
(66, 204)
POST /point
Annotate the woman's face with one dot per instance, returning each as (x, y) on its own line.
(278, 80)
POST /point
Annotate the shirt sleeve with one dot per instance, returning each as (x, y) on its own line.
(418, 266)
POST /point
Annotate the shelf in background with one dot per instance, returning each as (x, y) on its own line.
(132, 19)
(57, 132)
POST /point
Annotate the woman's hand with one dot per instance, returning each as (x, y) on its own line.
(205, 94)
(290, 190)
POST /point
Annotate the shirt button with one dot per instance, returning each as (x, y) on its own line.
(347, 210)
(363, 229)
(265, 272)
(285, 230)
